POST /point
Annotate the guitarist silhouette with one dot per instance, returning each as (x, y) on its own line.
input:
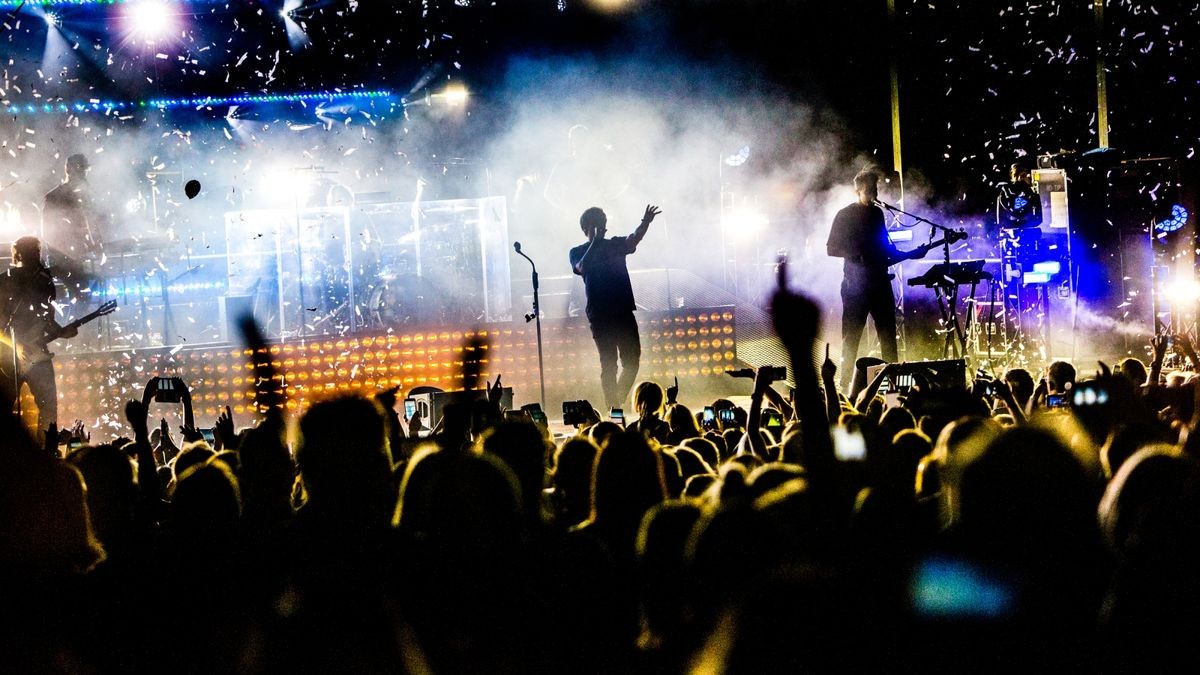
(28, 294)
(859, 236)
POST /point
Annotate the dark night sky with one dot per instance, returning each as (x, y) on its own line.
(982, 82)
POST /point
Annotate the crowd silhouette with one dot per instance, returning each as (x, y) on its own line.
(983, 528)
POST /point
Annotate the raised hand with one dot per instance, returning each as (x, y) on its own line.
(673, 391)
(166, 446)
(796, 318)
(51, 440)
(269, 393)
(80, 433)
(190, 434)
(223, 430)
(828, 367)
(651, 212)
(387, 397)
(135, 412)
(494, 391)
(1158, 345)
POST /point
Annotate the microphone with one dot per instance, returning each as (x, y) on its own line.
(883, 205)
(517, 246)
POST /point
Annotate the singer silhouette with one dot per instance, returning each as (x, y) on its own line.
(610, 305)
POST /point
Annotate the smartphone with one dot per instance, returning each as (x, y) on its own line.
(572, 413)
(410, 408)
(74, 443)
(209, 436)
(1057, 401)
(617, 415)
(514, 416)
(709, 419)
(727, 416)
(947, 588)
(772, 419)
(169, 390)
(849, 446)
(1088, 395)
(535, 412)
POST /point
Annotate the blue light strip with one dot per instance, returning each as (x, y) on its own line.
(97, 105)
(9, 4)
(150, 289)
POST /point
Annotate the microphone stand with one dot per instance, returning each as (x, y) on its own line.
(921, 219)
(536, 317)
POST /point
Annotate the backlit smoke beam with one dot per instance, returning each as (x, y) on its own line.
(1089, 319)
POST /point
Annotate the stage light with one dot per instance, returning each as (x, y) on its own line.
(746, 223)
(1035, 278)
(293, 185)
(1050, 267)
(10, 223)
(454, 95)
(51, 19)
(1182, 291)
(1177, 219)
(898, 236)
(738, 158)
(150, 19)
(611, 5)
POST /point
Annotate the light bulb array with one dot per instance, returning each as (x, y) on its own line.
(687, 343)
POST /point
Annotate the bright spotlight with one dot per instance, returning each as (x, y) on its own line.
(1182, 291)
(52, 19)
(10, 222)
(454, 95)
(150, 19)
(290, 185)
(611, 5)
(746, 223)
(738, 158)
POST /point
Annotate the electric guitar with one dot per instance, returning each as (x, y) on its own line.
(31, 349)
(950, 238)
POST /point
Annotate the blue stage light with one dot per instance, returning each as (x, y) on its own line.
(1050, 267)
(199, 101)
(1179, 216)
